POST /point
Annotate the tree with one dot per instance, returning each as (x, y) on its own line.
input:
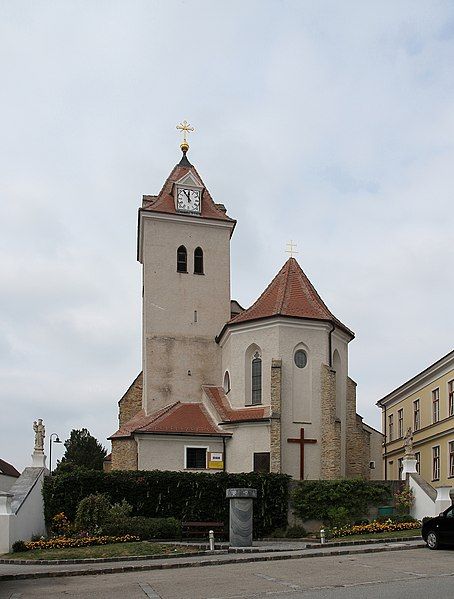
(83, 450)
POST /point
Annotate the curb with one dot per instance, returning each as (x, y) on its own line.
(216, 562)
(364, 542)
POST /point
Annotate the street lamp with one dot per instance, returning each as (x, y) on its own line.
(56, 440)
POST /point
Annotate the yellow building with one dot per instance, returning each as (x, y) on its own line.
(425, 404)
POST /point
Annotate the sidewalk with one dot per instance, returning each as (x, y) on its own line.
(258, 553)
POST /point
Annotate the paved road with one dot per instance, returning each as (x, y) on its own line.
(418, 574)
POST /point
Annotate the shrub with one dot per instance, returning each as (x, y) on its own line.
(120, 510)
(187, 496)
(313, 500)
(144, 528)
(338, 517)
(60, 524)
(19, 546)
(92, 513)
(404, 500)
(295, 532)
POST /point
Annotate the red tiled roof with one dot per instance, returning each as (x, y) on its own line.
(178, 417)
(165, 202)
(8, 470)
(222, 406)
(291, 294)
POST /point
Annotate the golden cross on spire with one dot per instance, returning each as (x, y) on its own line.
(291, 248)
(185, 128)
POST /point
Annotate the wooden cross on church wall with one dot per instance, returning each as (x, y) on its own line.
(302, 441)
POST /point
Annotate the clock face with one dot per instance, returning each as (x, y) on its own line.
(188, 200)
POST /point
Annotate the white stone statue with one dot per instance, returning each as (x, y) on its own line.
(40, 433)
(408, 443)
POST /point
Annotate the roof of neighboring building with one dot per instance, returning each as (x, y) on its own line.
(223, 407)
(289, 294)
(165, 201)
(8, 469)
(418, 378)
(177, 418)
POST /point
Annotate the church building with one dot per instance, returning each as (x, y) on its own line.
(262, 389)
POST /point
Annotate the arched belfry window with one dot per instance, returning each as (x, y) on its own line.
(198, 261)
(256, 379)
(182, 259)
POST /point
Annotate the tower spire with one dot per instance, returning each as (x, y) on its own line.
(185, 128)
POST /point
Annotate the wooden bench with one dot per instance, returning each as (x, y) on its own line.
(192, 530)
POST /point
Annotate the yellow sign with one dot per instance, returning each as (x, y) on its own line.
(216, 460)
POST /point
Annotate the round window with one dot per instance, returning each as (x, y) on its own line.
(300, 358)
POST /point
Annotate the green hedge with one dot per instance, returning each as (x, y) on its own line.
(317, 499)
(145, 528)
(182, 495)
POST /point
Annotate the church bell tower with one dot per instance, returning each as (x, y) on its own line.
(184, 248)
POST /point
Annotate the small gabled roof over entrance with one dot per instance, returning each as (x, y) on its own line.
(8, 470)
(290, 294)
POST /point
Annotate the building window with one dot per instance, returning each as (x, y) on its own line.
(226, 381)
(416, 415)
(256, 379)
(182, 259)
(196, 458)
(300, 358)
(198, 261)
(451, 458)
(451, 397)
(436, 463)
(400, 468)
(262, 462)
(391, 427)
(418, 462)
(436, 405)
(400, 423)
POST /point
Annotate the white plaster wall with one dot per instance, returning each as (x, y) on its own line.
(247, 439)
(6, 482)
(173, 343)
(167, 452)
(30, 516)
(28, 520)
(278, 338)
(423, 505)
(264, 334)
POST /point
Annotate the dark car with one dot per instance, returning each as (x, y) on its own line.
(440, 530)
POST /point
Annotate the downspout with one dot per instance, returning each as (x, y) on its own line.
(330, 345)
(384, 454)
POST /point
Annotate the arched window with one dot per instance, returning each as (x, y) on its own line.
(182, 259)
(256, 379)
(226, 381)
(198, 261)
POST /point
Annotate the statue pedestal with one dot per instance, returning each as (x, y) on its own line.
(443, 500)
(38, 459)
(408, 466)
(241, 510)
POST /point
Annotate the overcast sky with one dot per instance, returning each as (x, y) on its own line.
(329, 123)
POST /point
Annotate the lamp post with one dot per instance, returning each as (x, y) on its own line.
(57, 440)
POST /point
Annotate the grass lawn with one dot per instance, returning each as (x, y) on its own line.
(113, 550)
(415, 532)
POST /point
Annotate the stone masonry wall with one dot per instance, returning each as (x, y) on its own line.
(358, 440)
(330, 467)
(275, 428)
(131, 402)
(124, 454)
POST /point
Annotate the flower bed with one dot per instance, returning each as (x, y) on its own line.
(61, 542)
(374, 527)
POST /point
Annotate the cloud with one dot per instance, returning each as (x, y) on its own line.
(327, 123)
